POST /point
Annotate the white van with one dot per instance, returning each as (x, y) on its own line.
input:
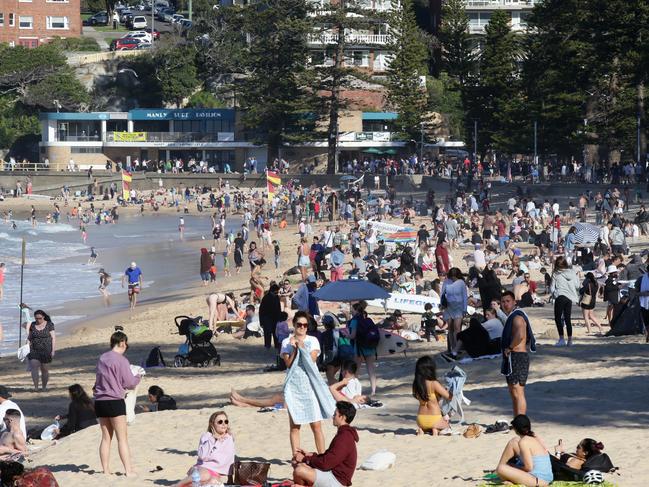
(139, 22)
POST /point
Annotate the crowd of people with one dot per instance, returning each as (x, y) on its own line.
(346, 234)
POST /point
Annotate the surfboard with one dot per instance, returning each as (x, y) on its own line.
(390, 344)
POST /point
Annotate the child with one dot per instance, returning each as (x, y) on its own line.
(426, 389)
(429, 322)
(277, 253)
(285, 294)
(547, 279)
(226, 264)
(349, 389)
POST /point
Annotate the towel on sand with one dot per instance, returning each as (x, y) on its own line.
(306, 394)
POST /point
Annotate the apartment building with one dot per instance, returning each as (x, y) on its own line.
(479, 13)
(366, 47)
(30, 23)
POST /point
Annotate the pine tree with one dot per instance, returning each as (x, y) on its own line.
(410, 55)
(458, 49)
(274, 94)
(497, 84)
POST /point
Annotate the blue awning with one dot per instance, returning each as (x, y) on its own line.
(380, 116)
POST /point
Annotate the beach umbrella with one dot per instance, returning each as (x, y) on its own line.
(347, 290)
(586, 233)
(403, 236)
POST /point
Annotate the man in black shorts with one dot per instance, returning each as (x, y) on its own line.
(517, 337)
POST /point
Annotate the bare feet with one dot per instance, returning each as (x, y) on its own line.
(420, 432)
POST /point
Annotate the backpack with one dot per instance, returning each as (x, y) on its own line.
(367, 333)
(154, 359)
(38, 477)
(600, 462)
(345, 349)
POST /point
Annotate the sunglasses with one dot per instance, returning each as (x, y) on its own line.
(222, 421)
(39, 317)
(301, 324)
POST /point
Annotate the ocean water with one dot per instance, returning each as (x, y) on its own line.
(57, 272)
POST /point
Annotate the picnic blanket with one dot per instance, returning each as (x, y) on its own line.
(306, 394)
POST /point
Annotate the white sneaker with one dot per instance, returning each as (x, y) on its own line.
(560, 343)
(569, 344)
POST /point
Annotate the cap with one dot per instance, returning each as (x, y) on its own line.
(4, 392)
(133, 264)
(611, 269)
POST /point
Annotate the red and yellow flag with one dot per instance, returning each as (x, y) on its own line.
(273, 182)
(126, 184)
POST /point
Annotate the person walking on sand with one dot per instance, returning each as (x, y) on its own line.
(42, 347)
(113, 377)
(517, 337)
(134, 276)
(181, 227)
(104, 281)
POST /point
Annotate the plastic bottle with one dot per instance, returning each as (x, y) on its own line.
(196, 477)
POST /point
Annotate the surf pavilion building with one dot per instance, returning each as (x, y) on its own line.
(216, 136)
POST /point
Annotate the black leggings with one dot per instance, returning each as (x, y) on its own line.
(562, 311)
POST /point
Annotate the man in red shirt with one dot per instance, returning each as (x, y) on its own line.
(335, 467)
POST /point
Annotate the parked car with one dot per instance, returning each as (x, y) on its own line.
(124, 15)
(163, 12)
(185, 24)
(169, 16)
(155, 33)
(138, 34)
(139, 22)
(144, 45)
(127, 44)
(100, 18)
(176, 18)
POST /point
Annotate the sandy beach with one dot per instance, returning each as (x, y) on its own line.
(595, 389)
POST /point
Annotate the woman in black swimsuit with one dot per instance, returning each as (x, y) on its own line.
(42, 346)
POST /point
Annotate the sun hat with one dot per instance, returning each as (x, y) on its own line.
(610, 269)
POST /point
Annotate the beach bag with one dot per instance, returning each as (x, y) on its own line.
(154, 359)
(23, 352)
(39, 477)
(249, 473)
(600, 462)
(345, 349)
(367, 333)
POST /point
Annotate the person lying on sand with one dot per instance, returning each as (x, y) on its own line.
(585, 449)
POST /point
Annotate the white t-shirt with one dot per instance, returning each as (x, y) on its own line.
(353, 389)
(494, 327)
(479, 258)
(310, 344)
(8, 404)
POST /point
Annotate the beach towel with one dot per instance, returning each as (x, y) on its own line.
(506, 341)
(306, 394)
(454, 381)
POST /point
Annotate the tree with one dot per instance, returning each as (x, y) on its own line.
(497, 83)
(458, 49)
(21, 67)
(408, 45)
(274, 93)
(333, 23)
(59, 91)
(176, 73)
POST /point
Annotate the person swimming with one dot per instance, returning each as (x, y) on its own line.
(426, 389)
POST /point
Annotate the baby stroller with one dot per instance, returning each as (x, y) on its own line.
(198, 350)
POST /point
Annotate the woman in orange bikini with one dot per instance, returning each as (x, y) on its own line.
(426, 389)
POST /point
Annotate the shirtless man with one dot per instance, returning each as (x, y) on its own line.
(12, 441)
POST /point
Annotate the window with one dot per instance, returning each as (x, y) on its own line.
(12, 20)
(25, 1)
(29, 42)
(57, 1)
(57, 22)
(2, 20)
(358, 58)
(86, 150)
(25, 22)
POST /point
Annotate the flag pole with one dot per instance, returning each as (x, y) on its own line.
(22, 274)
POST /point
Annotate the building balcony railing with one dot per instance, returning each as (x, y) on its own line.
(499, 4)
(78, 138)
(369, 39)
(479, 29)
(130, 137)
(325, 7)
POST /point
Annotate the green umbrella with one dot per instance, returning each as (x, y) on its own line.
(390, 151)
(373, 150)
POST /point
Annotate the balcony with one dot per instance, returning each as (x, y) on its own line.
(62, 137)
(479, 28)
(324, 7)
(166, 137)
(360, 39)
(499, 4)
